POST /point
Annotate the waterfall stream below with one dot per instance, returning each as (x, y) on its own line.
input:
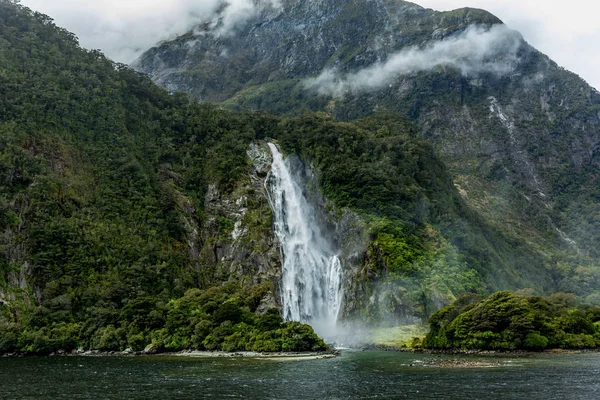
(311, 289)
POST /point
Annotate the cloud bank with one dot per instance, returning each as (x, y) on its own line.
(568, 32)
(123, 29)
(475, 51)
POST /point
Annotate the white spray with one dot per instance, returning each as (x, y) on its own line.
(311, 287)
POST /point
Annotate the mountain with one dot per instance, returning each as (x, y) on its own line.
(519, 135)
(132, 216)
(114, 206)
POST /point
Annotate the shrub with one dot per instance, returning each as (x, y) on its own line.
(535, 341)
(9, 340)
(137, 342)
(228, 311)
(271, 320)
(107, 339)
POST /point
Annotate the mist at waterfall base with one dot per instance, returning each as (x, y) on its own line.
(312, 276)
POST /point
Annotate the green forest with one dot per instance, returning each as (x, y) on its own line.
(96, 165)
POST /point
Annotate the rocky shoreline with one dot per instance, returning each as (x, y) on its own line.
(472, 352)
(264, 356)
(513, 353)
(152, 351)
(458, 363)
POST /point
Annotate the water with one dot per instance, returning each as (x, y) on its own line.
(354, 375)
(312, 272)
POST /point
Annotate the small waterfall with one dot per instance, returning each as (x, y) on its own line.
(312, 273)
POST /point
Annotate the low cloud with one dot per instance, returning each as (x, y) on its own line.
(477, 50)
(568, 32)
(124, 29)
(236, 13)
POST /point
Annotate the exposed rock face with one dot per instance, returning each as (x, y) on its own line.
(237, 237)
(520, 135)
(293, 41)
(239, 240)
(16, 284)
(151, 349)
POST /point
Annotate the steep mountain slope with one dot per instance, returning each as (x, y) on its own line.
(520, 135)
(298, 39)
(116, 207)
(130, 216)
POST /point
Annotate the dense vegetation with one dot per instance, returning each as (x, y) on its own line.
(427, 245)
(512, 321)
(103, 184)
(219, 318)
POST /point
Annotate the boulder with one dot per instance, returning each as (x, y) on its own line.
(151, 349)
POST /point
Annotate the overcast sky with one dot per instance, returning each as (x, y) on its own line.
(568, 31)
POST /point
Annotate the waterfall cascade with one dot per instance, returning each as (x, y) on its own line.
(312, 273)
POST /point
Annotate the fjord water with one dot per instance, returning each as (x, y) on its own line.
(353, 375)
(311, 288)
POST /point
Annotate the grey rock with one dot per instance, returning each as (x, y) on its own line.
(151, 349)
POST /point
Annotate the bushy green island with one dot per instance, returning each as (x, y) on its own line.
(508, 321)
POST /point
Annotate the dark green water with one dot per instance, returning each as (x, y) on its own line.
(355, 375)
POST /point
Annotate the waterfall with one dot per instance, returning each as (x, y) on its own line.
(311, 289)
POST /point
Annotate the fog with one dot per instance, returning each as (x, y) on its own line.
(124, 29)
(475, 51)
(568, 32)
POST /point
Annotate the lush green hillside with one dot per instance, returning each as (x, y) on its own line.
(108, 237)
(509, 321)
(426, 245)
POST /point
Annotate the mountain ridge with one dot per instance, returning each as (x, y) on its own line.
(323, 17)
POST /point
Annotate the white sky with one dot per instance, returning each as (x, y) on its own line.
(568, 31)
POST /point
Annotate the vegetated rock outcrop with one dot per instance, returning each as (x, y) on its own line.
(508, 321)
(519, 134)
(128, 216)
